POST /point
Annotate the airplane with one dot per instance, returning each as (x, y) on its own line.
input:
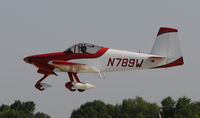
(90, 58)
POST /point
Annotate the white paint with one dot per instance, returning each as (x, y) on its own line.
(82, 86)
(166, 45)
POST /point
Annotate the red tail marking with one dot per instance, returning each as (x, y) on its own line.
(166, 30)
(175, 63)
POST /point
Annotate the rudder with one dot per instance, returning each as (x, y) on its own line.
(167, 45)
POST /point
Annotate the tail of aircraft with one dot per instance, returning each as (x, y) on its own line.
(167, 45)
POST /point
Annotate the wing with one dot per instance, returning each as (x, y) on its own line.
(67, 66)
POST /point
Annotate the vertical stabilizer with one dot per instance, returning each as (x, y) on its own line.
(167, 45)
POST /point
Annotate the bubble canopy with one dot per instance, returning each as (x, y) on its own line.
(83, 48)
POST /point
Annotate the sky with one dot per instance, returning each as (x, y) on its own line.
(29, 27)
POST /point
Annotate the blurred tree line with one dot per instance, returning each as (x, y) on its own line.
(20, 110)
(129, 108)
(139, 108)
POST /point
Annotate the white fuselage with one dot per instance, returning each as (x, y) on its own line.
(120, 60)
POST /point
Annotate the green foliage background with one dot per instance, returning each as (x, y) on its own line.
(129, 108)
(139, 108)
(20, 110)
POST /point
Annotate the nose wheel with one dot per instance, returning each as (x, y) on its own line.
(38, 86)
(42, 86)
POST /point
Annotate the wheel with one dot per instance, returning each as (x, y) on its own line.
(38, 86)
(69, 86)
(41, 89)
(72, 90)
(81, 90)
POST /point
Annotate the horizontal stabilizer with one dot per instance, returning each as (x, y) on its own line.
(157, 57)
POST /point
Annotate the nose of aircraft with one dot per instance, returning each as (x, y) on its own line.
(47, 57)
(28, 60)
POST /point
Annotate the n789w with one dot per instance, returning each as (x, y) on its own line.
(125, 62)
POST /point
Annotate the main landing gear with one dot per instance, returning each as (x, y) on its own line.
(80, 86)
(72, 85)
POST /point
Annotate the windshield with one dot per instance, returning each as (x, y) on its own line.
(83, 48)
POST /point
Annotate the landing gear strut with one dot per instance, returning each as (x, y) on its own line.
(41, 86)
(73, 85)
(70, 85)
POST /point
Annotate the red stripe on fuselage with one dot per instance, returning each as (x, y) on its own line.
(41, 61)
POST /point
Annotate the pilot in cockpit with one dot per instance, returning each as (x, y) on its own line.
(83, 49)
(69, 51)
